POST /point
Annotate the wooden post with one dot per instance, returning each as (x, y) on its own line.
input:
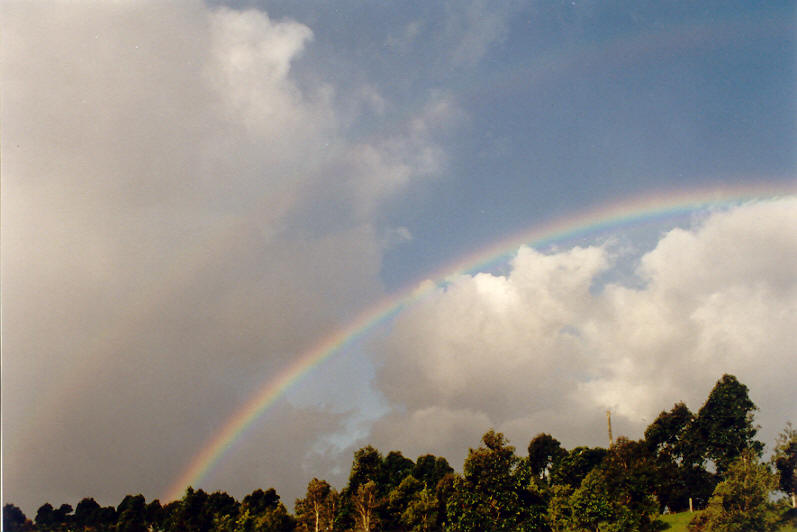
(609, 420)
(690, 505)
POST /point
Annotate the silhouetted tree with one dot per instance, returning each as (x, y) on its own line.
(14, 519)
(132, 514)
(86, 513)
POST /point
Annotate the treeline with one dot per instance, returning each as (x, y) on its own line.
(709, 459)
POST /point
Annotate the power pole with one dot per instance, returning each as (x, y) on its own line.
(609, 420)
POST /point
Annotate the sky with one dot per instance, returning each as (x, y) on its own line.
(506, 215)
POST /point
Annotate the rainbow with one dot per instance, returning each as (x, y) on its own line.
(661, 206)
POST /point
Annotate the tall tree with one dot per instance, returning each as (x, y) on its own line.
(312, 512)
(367, 466)
(724, 426)
(366, 501)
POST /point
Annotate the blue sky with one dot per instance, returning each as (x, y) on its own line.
(196, 193)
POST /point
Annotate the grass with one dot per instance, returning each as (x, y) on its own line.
(678, 522)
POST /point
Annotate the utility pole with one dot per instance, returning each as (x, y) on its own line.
(609, 420)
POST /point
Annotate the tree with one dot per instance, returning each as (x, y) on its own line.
(493, 492)
(132, 514)
(367, 466)
(741, 501)
(590, 505)
(784, 459)
(262, 510)
(365, 502)
(429, 469)
(86, 513)
(559, 513)
(45, 518)
(724, 426)
(544, 452)
(421, 512)
(14, 519)
(665, 436)
(312, 512)
(155, 514)
(398, 500)
(572, 468)
(395, 468)
(629, 473)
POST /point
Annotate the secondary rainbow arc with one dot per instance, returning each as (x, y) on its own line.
(624, 213)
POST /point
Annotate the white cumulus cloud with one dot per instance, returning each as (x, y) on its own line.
(546, 348)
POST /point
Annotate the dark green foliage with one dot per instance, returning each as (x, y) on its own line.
(621, 488)
(785, 461)
(262, 510)
(259, 501)
(132, 514)
(544, 452)
(724, 426)
(14, 519)
(395, 468)
(590, 504)
(367, 467)
(398, 500)
(429, 469)
(665, 436)
(421, 513)
(490, 493)
(629, 473)
(192, 514)
(444, 492)
(679, 471)
(86, 513)
(573, 467)
(155, 514)
(45, 518)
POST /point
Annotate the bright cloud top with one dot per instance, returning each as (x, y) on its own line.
(549, 347)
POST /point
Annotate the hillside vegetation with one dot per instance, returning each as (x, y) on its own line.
(710, 458)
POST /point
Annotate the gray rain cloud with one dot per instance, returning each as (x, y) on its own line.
(179, 220)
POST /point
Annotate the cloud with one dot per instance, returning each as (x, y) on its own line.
(179, 220)
(546, 348)
(476, 27)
